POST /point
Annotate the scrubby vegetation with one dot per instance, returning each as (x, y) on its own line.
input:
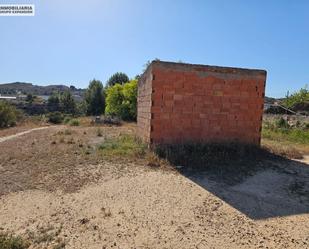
(8, 115)
(124, 145)
(74, 122)
(55, 117)
(281, 130)
(298, 101)
(63, 102)
(289, 138)
(8, 241)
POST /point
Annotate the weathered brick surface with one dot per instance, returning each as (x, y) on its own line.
(182, 102)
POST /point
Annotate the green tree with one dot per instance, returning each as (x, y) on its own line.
(67, 102)
(121, 100)
(119, 78)
(53, 102)
(130, 98)
(114, 100)
(301, 96)
(94, 98)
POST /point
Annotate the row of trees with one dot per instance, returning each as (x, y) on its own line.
(118, 98)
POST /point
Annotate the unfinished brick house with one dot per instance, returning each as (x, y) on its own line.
(180, 103)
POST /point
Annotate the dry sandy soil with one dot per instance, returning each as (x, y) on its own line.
(55, 189)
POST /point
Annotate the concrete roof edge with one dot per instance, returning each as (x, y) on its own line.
(208, 67)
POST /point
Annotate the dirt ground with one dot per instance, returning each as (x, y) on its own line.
(58, 192)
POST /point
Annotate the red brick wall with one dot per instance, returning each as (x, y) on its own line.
(183, 102)
(144, 105)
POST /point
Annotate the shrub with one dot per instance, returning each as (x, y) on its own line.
(300, 96)
(67, 119)
(8, 115)
(282, 123)
(121, 100)
(12, 242)
(74, 122)
(55, 117)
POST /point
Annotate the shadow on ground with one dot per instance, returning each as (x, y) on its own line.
(255, 182)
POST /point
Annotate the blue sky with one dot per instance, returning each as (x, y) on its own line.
(74, 41)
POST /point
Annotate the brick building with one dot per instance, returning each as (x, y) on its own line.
(180, 102)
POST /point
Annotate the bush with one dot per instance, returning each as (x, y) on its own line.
(282, 123)
(67, 119)
(55, 117)
(121, 100)
(74, 122)
(300, 96)
(8, 115)
(12, 242)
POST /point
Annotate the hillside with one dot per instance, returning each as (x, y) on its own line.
(26, 88)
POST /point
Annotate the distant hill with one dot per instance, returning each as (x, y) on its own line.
(29, 88)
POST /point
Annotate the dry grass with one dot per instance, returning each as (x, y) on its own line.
(59, 157)
(286, 138)
(285, 148)
(9, 241)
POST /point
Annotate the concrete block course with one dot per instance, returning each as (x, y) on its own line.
(180, 102)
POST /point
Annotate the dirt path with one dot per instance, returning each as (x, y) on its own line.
(2, 139)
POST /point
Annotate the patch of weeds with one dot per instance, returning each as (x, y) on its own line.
(46, 234)
(45, 237)
(99, 132)
(84, 221)
(59, 245)
(87, 151)
(74, 122)
(67, 132)
(280, 130)
(123, 145)
(8, 241)
(285, 149)
(154, 161)
(67, 120)
(71, 141)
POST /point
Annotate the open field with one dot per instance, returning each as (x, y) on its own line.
(58, 189)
